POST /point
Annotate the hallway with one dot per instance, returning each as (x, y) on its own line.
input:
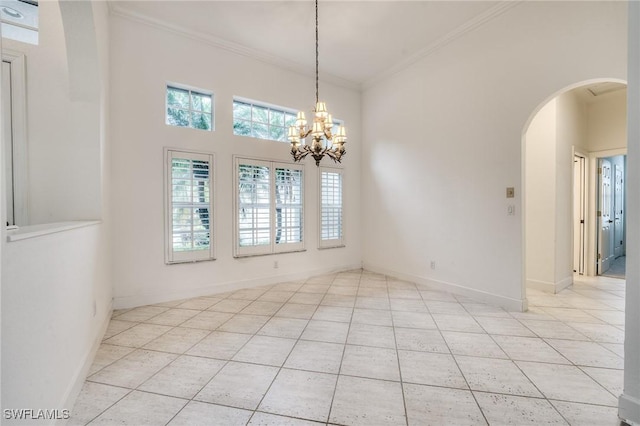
(618, 268)
(357, 348)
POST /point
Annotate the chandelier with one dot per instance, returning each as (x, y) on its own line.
(323, 140)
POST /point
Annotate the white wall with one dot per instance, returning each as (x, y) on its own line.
(572, 133)
(452, 126)
(144, 59)
(48, 326)
(64, 179)
(607, 121)
(629, 406)
(56, 288)
(540, 205)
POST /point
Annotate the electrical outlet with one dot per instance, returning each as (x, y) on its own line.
(433, 264)
(511, 192)
(275, 264)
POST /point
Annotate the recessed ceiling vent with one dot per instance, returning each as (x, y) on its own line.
(19, 20)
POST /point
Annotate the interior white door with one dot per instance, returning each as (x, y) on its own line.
(605, 210)
(7, 138)
(618, 211)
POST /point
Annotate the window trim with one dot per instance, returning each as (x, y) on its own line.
(203, 255)
(333, 243)
(272, 247)
(191, 89)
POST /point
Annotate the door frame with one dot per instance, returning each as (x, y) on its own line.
(584, 202)
(592, 225)
(19, 136)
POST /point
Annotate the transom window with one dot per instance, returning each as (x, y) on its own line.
(331, 232)
(269, 207)
(262, 121)
(189, 108)
(189, 207)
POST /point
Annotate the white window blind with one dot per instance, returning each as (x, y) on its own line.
(269, 207)
(331, 231)
(189, 208)
(288, 206)
(254, 209)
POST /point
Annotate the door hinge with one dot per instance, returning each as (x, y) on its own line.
(598, 256)
(599, 170)
(599, 213)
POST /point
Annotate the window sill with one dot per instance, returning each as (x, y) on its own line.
(33, 231)
(242, 256)
(332, 247)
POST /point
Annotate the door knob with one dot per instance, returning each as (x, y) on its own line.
(610, 221)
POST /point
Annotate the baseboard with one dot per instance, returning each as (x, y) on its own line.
(75, 386)
(546, 286)
(550, 287)
(482, 296)
(149, 299)
(629, 409)
(564, 283)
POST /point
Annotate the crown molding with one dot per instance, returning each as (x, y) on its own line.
(116, 10)
(469, 26)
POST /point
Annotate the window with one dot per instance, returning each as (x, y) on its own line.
(189, 209)
(259, 120)
(269, 207)
(189, 108)
(331, 232)
(264, 121)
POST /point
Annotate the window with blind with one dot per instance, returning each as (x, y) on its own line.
(269, 207)
(189, 209)
(331, 209)
(189, 108)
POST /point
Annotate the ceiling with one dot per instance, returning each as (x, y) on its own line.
(359, 40)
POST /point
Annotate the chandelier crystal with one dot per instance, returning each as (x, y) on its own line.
(323, 140)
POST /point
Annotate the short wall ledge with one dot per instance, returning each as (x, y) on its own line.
(33, 231)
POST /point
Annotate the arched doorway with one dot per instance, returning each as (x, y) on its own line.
(562, 143)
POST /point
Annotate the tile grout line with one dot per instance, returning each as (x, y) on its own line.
(395, 341)
(344, 347)
(458, 366)
(288, 355)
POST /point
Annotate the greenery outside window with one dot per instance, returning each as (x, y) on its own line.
(260, 120)
(189, 108)
(269, 207)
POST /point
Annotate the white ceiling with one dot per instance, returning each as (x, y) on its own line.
(359, 40)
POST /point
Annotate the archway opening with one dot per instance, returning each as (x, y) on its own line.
(563, 142)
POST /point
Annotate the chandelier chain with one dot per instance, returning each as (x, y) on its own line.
(317, 63)
(325, 139)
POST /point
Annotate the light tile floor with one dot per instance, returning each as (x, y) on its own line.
(618, 268)
(357, 348)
